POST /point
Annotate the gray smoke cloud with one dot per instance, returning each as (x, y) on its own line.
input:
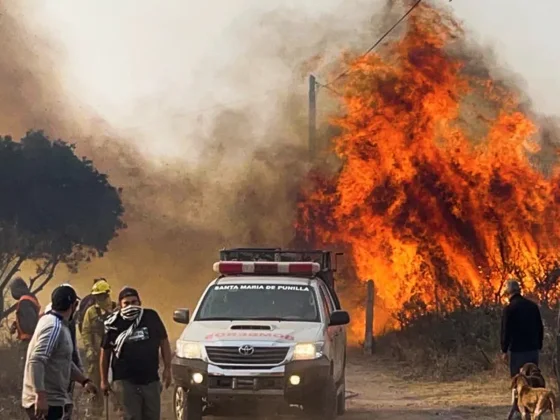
(241, 191)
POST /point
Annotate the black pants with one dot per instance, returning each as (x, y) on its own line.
(54, 413)
(518, 358)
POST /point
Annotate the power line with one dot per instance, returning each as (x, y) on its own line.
(379, 41)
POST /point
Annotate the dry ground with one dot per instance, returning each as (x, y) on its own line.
(384, 394)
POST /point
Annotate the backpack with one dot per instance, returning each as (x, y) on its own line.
(85, 303)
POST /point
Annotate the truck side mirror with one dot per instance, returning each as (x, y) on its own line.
(339, 318)
(181, 316)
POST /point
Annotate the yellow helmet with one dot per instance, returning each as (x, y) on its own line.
(100, 287)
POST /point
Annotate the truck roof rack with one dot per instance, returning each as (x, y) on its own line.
(320, 256)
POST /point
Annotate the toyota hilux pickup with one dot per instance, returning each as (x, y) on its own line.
(265, 335)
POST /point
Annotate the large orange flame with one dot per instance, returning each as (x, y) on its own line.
(433, 201)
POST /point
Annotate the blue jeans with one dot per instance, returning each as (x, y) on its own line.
(518, 358)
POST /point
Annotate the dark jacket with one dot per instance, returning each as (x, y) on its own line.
(27, 313)
(522, 327)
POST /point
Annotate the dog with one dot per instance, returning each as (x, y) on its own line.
(536, 380)
(533, 400)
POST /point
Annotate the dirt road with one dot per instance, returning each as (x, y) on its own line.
(383, 396)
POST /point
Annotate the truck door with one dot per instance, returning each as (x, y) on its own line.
(337, 334)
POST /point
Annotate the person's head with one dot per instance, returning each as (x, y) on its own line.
(512, 288)
(64, 301)
(101, 291)
(18, 288)
(129, 297)
(99, 279)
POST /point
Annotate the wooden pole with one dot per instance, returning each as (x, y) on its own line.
(312, 123)
(369, 341)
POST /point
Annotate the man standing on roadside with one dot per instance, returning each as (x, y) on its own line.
(133, 339)
(49, 369)
(522, 329)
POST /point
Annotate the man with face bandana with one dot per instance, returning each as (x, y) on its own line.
(49, 368)
(93, 328)
(134, 338)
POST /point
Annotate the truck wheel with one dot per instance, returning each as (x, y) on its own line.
(187, 407)
(325, 406)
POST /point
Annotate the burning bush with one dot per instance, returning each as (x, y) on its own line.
(438, 198)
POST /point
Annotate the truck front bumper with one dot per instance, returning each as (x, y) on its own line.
(217, 384)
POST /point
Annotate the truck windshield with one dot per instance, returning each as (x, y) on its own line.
(274, 302)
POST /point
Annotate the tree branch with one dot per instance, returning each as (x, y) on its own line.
(12, 308)
(48, 278)
(42, 271)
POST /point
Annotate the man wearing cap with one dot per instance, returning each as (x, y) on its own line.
(522, 329)
(76, 358)
(134, 338)
(49, 369)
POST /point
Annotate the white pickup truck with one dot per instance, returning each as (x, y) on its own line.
(263, 336)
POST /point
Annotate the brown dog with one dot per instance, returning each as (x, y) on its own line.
(533, 374)
(533, 400)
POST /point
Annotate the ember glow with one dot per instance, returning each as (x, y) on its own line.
(436, 199)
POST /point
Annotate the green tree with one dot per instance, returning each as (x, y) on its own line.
(55, 208)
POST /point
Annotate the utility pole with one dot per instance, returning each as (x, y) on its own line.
(312, 116)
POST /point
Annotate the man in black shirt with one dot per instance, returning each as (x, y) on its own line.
(133, 339)
(522, 329)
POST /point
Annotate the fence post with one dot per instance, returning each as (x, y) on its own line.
(369, 341)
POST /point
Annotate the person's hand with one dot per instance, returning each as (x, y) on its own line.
(90, 388)
(106, 387)
(41, 405)
(166, 376)
(505, 357)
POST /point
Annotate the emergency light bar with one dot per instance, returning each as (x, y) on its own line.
(265, 267)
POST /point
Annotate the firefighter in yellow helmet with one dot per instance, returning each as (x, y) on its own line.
(93, 328)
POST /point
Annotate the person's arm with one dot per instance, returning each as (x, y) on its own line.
(87, 331)
(76, 374)
(45, 342)
(166, 353)
(165, 349)
(28, 316)
(505, 333)
(105, 361)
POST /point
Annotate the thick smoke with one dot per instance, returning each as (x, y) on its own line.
(241, 191)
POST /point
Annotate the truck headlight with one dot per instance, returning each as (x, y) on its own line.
(308, 351)
(189, 350)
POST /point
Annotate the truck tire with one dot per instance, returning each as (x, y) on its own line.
(325, 406)
(187, 407)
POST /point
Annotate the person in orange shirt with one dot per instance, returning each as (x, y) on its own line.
(27, 315)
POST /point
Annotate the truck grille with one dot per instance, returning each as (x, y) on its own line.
(260, 355)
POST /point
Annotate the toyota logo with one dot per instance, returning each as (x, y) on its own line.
(246, 350)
